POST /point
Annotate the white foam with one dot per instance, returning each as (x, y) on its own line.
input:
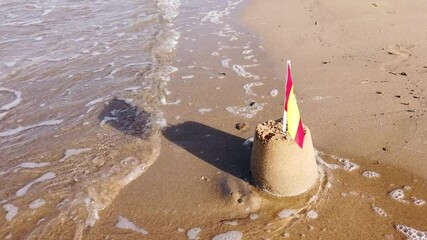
(32, 165)
(10, 64)
(93, 102)
(232, 223)
(164, 102)
(230, 235)
(246, 111)
(253, 216)
(215, 54)
(11, 210)
(323, 162)
(187, 77)
(370, 174)
(193, 233)
(71, 152)
(47, 176)
(318, 98)
(418, 201)
(274, 92)
(204, 110)
(2, 115)
(347, 165)
(247, 87)
(124, 223)
(107, 119)
(112, 73)
(398, 195)
(411, 233)
(312, 214)
(14, 103)
(286, 213)
(248, 142)
(133, 89)
(241, 71)
(19, 129)
(247, 51)
(37, 203)
(226, 62)
(379, 211)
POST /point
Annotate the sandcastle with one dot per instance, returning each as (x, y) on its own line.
(278, 164)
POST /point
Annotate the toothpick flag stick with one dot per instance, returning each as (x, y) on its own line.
(291, 115)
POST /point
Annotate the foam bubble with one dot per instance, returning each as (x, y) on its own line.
(19, 129)
(232, 223)
(370, 174)
(47, 176)
(379, 211)
(248, 142)
(124, 223)
(418, 202)
(32, 165)
(14, 103)
(193, 233)
(247, 51)
(253, 216)
(187, 77)
(274, 92)
(226, 62)
(230, 235)
(204, 110)
(107, 119)
(11, 210)
(411, 233)
(347, 165)
(95, 101)
(318, 98)
(164, 102)
(71, 152)
(37, 203)
(312, 214)
(246, 111)
(286, 213)
(241, 71)
(248, 87)
(398, 195)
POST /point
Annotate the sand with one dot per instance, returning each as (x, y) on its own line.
(364, 114)
(278, 165)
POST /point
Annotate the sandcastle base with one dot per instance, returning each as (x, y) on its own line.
(278, 165)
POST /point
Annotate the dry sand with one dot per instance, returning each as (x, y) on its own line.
(364, 113)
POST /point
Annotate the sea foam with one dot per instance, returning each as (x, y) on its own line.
(124, 223)
(47, 176)
(230, 235)
(19, 129)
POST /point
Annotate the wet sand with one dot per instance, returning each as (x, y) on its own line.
(364, 115)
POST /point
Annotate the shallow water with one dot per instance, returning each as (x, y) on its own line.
(80, 86)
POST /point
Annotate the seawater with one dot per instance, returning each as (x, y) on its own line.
(80, 87)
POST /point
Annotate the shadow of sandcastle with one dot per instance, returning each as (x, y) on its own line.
(220, 149)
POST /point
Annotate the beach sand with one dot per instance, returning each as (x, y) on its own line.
(358, 72)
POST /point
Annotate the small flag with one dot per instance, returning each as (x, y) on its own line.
(291, 114)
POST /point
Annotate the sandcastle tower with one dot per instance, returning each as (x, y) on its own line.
(282, 160)
(278, 164)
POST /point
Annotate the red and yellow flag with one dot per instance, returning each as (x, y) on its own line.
(292, 115)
